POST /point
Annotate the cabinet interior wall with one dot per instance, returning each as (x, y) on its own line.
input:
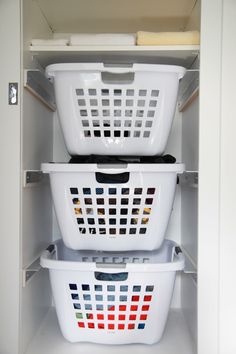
(42, 141)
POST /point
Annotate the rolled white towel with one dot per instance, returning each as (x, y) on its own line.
(49, 42)
(106, 39)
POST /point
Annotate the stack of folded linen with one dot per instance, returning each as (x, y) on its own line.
(168, 38)
(50, 42)
(103, 39)
(142, 38)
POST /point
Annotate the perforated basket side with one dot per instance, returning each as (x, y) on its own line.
(112, 312)
(109, 111)
(121, 216)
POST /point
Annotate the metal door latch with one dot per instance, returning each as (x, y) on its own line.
(13, 93)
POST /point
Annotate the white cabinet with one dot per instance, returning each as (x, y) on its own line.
(202, 136)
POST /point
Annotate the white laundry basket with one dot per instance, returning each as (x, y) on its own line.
(115, 110)
(112, 298)
(116, 207)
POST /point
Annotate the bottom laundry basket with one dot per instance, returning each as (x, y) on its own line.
(112, 298)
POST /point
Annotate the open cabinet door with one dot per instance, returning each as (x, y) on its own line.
(227, 287)
(10, 174)
(217, 188)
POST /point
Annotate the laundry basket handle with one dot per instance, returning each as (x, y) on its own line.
(49, 251)
(121, 276)
(179, 256)
(178, 250)
(50, 248)
(112, 178)
(47, 255)
(111, 78)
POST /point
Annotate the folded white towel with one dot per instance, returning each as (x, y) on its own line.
(168, 38)
(49, 42)
(106, 39)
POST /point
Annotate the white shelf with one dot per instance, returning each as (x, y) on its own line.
(49, 340)
(173, 55)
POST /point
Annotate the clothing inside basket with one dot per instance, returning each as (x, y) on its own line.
(165, 159)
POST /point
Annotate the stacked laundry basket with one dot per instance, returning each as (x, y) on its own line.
(113, 274)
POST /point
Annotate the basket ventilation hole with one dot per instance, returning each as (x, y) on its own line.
(133, 216)
(113, 315)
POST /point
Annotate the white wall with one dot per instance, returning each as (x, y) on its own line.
(36, 205)
(189, 214)
(209, 173)
(112, 16)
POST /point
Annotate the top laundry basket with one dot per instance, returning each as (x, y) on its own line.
(115, 110)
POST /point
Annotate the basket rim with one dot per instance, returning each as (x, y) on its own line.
(49, 260)
(52, 69)
(112, 168)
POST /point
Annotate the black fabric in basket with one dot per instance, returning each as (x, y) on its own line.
(168, 159)
(111, 276)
